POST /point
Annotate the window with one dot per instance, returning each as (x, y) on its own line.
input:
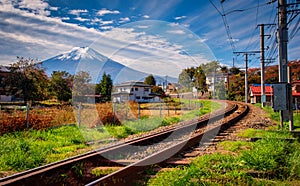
(138, 97)
(136, 89)
(132, 89)
(146, 89)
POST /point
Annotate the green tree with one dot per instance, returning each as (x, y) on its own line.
(234, 70)
(185, 81)
(81, 84)
(158, 90)
(150, 80)
(221, 90)
(211, 67)
(28, 80)
(237, 87)
(105, 87)
(61, 85)
(199, 79)
(193, 77)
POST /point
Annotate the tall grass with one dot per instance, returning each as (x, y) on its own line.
(28, 149)
(144, 124)
(265, 162)
(275, 116)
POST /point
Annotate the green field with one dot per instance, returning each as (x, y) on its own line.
(24, 150)
(269, 161)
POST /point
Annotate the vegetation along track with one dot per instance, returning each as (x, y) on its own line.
(130, 156)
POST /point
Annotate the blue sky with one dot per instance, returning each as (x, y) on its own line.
(143, 34)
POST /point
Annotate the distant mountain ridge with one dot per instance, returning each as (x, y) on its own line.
(89, 60)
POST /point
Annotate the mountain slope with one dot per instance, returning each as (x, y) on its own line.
(89, 60)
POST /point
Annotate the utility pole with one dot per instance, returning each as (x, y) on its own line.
(246, 70)
(246, 77)
(283, 59)
(262, 64)
(262, 61)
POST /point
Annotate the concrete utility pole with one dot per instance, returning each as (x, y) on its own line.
(283, 59)
(262, 64)
(246, 70)
(246, 77)
(262, 61)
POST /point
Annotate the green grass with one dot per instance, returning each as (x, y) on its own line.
(268, 161)
(235, 146)
(275, 116)
(255, 133)
(274, 161)
(28, 149)
(149, 123)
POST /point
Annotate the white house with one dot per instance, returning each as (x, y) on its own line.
(212, 80)
(134, 91)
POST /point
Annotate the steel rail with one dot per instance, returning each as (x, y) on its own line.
(129, 174)
(39, 175)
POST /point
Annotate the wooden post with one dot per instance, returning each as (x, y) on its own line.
(79, 114)
(139, 111)
(160, 110)
(27, 115)
(114, 110)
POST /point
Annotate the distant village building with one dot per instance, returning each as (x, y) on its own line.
(255, 93)
(4, 95)
(172, 90)
(212, 80)
(296, 93)
(134, 91)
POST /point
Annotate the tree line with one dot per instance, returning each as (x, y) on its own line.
(28, 80)
(234, 88)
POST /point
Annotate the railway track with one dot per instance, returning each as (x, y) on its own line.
(118, 157)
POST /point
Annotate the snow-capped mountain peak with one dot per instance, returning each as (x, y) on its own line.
(76, 53)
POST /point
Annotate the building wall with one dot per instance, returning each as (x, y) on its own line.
(213, 80)
(135, 93)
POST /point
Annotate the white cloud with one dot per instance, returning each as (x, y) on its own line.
(81, 19)
(106, 22)
(180, 17)
(177, 24)
(38, 36)
(37, 6)
(124, 19)
(233, 40)
(154, 54)
(77, 12)
(102, 12)
(202, 40)
(146, 16)
(142, 26)
(31, 39)
(53, 8)
(180, 32)
(107, 27)
(65, 18)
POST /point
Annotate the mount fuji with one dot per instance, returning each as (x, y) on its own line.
(88, 60)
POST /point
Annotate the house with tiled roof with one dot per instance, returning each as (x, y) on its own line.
(296, 93)
(255, 93)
